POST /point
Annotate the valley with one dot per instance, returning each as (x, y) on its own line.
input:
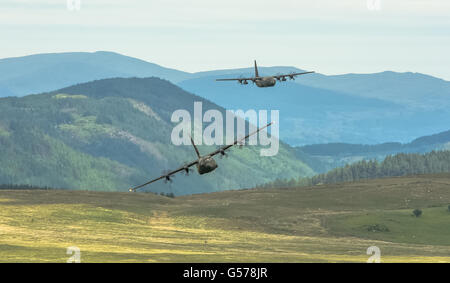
(327, 223)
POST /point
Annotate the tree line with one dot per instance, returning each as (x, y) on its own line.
(401, 164)
(25, 187)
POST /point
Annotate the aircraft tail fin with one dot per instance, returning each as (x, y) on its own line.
(256, 70)
(195, 147)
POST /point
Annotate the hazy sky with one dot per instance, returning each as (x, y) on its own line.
(328, 36)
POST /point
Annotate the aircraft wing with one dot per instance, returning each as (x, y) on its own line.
(222, 149)
(237, 79)
(187, 166)
(291, 75)
(166, 176)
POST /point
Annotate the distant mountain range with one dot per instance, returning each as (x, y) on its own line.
(350, 108)
(311, 115)
(411, 89)
(47, 72)
(112, 134)
(324, 157)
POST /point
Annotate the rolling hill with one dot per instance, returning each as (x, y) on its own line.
(112, 134)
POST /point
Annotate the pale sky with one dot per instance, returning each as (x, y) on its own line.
(328, 36)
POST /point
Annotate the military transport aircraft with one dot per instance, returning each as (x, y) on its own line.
(205, 164)
(265, 81)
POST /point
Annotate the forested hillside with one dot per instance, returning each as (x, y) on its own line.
(112, 134)
(325, 157)
(392, 166)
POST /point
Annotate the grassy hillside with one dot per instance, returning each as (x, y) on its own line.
(113, 134)
(332, 223)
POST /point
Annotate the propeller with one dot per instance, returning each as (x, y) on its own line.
(292, 77)
(167, 178)
(241, 144)
(187, 170)
(241, 80)
(222, 153)
(278, 76)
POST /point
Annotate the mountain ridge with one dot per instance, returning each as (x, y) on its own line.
(346, 108)
(325, 157)
(112, 134)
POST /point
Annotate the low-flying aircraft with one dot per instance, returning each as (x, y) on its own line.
(269, 81)
(205, 164)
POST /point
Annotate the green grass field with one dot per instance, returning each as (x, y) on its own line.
(329, 223)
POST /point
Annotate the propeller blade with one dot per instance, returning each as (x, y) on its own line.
(241, 80)
(187, 170)
(167, 178)
(292, 77)
(222, 153)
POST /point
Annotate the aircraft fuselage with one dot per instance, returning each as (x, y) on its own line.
(206, 165)
(266, 82)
